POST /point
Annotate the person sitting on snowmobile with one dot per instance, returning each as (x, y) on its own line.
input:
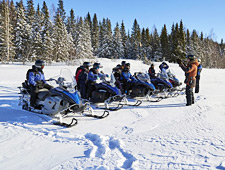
(117, 74)
(163, 67)
(93, 75)
(36, 81)
(127, 79)
(123, 64)
(151, 71)
(83, 78)
(79, 69)
(190, 76)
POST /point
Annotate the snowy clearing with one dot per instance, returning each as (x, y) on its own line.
(161, 135)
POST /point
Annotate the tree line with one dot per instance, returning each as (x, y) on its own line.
(27, 33)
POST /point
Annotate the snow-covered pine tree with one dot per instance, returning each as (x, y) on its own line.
(182, 40)
(118, 50)
(156, 46)
(136, 41)
(83, 47)
(47, 48)
(60, 41)
(71, 24)
(37, 31)
(164, 43)
(174, 44)
(61, 11)
(105, 39)
(124, 38)
(148, 47)
(23, 38)
(7, 52)
(30, 12)
(46, 22)
(95, 35)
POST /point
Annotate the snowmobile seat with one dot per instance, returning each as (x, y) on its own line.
(43, 93)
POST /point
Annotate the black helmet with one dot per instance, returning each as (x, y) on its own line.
(86, 64)
(123, 63)
(191, 57)
(97, 65)
(39, 63)
(119, 66)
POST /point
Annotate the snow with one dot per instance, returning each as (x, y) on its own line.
(163, 135)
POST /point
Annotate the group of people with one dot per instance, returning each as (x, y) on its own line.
(86, 77)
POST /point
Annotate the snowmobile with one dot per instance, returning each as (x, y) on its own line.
(175, 82)
(106, 93)
(164, 87)
(143, 88)
(60, 101)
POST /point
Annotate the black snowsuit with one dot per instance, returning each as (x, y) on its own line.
(198, 78)
(83, 78)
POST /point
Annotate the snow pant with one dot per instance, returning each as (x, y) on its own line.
(197, 84)
(90, 88)
(83, 89)
(127, 86)
(189, 95)
(119, 85)
(34, 91)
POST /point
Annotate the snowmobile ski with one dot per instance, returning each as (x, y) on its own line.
(74, 122)
(104, 115)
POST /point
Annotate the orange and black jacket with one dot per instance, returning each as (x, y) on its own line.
(190, 72)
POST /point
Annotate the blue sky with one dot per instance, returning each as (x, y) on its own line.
(202, 15)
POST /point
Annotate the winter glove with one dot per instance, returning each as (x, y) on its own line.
(39, 84)
(179, 61)
(129, 81)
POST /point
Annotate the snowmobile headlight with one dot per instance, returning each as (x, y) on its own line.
(112, 84)
(71, 90)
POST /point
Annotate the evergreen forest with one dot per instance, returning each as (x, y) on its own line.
(28, 33)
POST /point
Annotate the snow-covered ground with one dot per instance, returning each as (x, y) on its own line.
(163, 135)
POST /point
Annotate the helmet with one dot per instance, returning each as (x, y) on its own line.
(123, 63)
(119, 66)
(97, 65)
(199, 60)
(152, 65)
(191, 57)
(86, 64)
(39, 63)
(127, 64)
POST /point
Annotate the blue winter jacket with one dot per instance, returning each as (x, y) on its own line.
(127, 76)
(199, 69)
(34, 77)
(92, 76)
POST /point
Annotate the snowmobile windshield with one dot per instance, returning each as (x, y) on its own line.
(65, 80)
(143, 77)
(107, 78)
(171, 74)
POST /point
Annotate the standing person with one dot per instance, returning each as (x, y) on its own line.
(190, 76)
(151, 71)
(83, 78)
(127, 79)
(198, 76)
(36, 81)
